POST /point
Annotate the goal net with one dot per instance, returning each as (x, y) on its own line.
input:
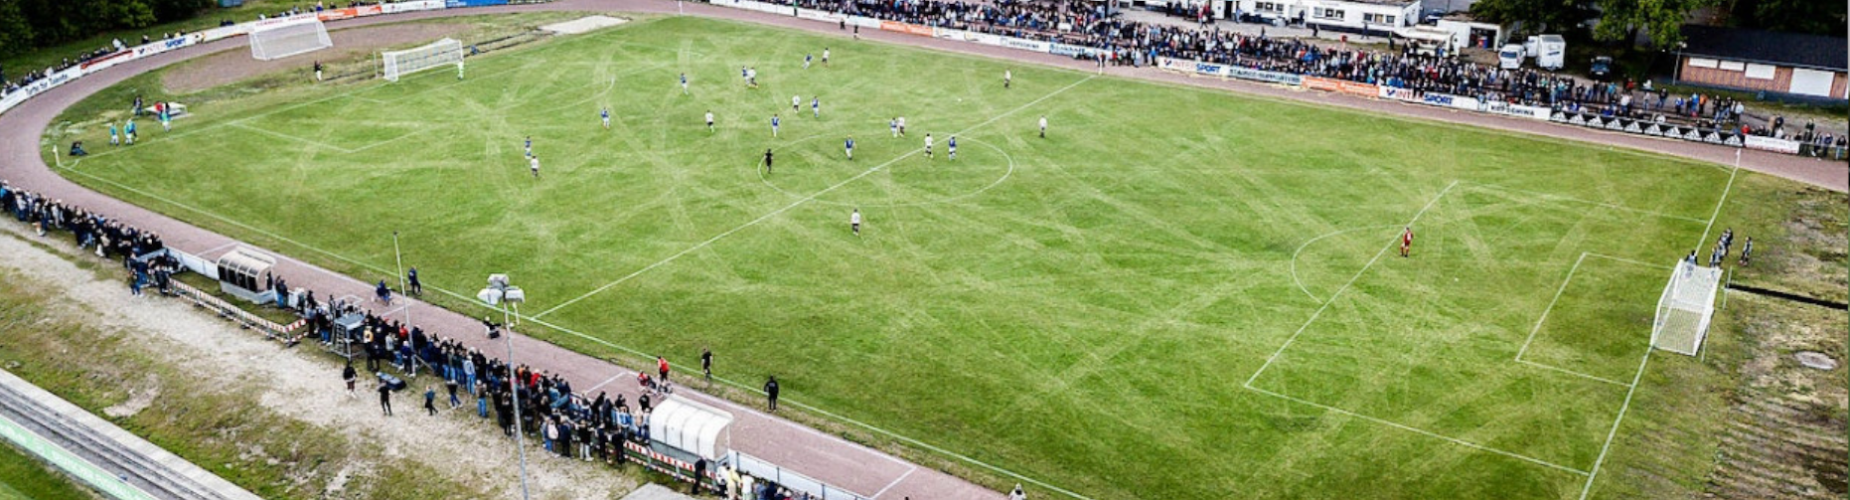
(1683, 312)
(441, 53)
(289, 39)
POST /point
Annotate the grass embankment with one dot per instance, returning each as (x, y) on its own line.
(223, 428)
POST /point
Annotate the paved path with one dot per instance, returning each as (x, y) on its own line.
(825, 457)
(146, 468)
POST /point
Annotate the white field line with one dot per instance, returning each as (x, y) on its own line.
(1339, 291)
(613, 378)
(355, 94)
(1557, 197)
(1294, 257)
(1646, 361)
(1630, 261)
(1574, 373)
(902, 477)
(1453, 440)
(794, 204)
(281, 135)
(1551, 306)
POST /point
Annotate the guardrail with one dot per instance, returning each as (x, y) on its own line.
(795, 482)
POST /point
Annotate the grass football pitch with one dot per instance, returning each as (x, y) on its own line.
(1178, 293)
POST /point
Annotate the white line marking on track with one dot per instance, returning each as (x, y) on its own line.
(794, 204)
(902, 477)
(1339, 291)
(1461, 442)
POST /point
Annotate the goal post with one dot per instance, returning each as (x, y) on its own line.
(1683, 312)
(441, 53)
(277, 42)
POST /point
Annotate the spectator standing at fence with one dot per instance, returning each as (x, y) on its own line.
(451, 385)
(417, 287)
(351, 376)
(770, 392)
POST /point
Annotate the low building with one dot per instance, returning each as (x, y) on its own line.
(1808, 66)
(1373, 16)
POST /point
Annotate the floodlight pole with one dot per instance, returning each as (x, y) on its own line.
(400, 257)
(520, 441)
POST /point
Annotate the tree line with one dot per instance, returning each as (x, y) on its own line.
(1662, 20)
(27, 25)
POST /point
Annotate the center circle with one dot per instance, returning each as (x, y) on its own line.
(807, 166)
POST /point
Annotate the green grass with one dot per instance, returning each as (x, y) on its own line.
(1084, 309)
(23, 477)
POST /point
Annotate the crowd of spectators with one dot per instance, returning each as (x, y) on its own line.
(1127, 42)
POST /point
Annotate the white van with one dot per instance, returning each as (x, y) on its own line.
(1510, 57)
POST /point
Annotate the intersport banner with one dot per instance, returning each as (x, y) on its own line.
(162, 46)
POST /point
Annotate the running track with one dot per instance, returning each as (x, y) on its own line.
(817, 454)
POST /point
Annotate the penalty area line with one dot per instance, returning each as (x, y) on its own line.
(797, 203)
(1339, 291)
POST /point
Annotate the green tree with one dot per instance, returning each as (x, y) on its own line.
(15, 32)
(1817, 17)
(1662, 19)
(1537, 16)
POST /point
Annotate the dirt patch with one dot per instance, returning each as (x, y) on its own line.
(301, 385)
(1785, 432)
(235, 65)
(139, 399)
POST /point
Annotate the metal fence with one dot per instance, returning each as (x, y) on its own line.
(795, 482)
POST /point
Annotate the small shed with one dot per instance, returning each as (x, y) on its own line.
(241, 272)
(692, 427)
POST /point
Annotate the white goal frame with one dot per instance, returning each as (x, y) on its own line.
(1684, 310)
(441, 53)
(277, 42)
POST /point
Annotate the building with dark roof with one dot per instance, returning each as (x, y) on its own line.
(1753, 60)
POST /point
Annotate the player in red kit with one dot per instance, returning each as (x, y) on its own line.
(1406, 242)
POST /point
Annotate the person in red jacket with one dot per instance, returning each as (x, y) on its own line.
(1406, 242)
(661, 365)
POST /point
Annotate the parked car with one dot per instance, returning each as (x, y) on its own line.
(1602, 68)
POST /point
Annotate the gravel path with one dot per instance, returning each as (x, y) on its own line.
(826, 457)
(298, 386)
